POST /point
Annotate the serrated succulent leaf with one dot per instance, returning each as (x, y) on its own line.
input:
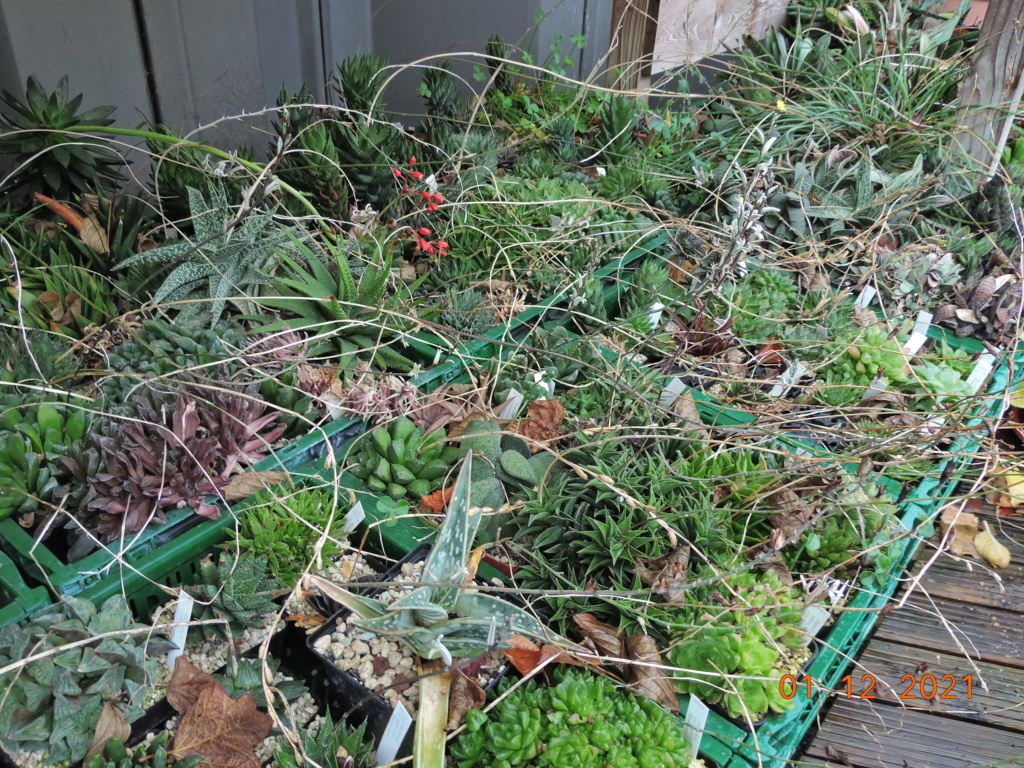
(447, 559)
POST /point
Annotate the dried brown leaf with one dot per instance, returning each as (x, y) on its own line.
(246, 484)
(306, 620)
(186, 683)
(965, 529)
(543, 423)
(606, 638)
(223, 730)
(465, 694)
(111, 725)
(991, 549)
(667, 574)
(648, 677)
(793, 512)
(864, 317)
(94, 236)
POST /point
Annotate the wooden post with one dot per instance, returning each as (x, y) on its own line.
(995, 81)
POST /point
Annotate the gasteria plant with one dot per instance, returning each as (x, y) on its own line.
(447, 618)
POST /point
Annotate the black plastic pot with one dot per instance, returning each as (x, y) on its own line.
(349, 692)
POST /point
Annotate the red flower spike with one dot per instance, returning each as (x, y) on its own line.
(416, 175)
(437, 198)
(442, 243)
(398, 173)
(426, 195)
(432, 207)
(424, 231)
(412, 160)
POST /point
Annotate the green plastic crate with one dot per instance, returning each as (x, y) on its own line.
(16, 600)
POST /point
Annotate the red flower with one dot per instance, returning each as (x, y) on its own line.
(442, 243)
(432, 207)
(416, 175)
(426, 247)
(437, 198)
(426, 195)
(412, 161)
(424, 231)
(398, 173)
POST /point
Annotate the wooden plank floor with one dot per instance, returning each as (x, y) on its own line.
(960, 620)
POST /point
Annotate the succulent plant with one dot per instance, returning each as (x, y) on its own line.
(400, 460)
(735, 667)
(57, 163)
(442, 620)
(177, 168)
(242, 425)
(582, 721)
(986, 308)
(871, 355)
(150, 468)
(40, 437)
(351, 316)
(54, 291)
(227, 258)
(54, 703)
(921, 273)
(334, 746)
(237, 591)
(285, 529)
(614, 138)
(502, 463)
(310, 161)
(359, 81)
(153, 755)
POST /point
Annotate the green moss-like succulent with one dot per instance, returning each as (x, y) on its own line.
(285, 530)
(155, 755)
(582, 721)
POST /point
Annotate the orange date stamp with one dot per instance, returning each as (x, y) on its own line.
(910, 687)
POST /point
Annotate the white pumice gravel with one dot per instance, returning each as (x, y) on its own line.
(383, 665)
(344, 569)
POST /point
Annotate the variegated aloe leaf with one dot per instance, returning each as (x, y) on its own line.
(421, 605)
(473, 605)
(365, 607)
(400, 626)
(446, 562)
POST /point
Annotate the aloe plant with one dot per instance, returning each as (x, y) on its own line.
(442, 619)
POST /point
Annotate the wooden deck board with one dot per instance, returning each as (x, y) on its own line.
(982, 633)
(1001, 705)
(961, 618)
(883, 736)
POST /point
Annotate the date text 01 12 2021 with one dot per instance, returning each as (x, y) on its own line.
(910, 687)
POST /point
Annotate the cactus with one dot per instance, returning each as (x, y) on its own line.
(443, 620)
(400, 460)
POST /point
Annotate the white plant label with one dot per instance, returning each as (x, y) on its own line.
(813, 620)
(693, 725)
(515, 401)
(866, 297)
(182, 616)
(788, 379)
(876, 387)
(920, 333)
(538, 378)
(980, 373)
(671, 392)
(601, 170)
(655, 314)
(394, 735)
(355, 516)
